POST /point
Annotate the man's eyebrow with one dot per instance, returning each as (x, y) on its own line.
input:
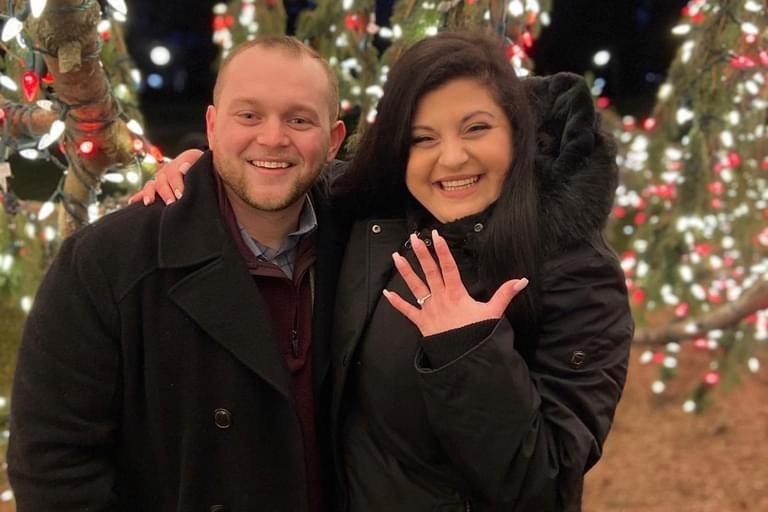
(304, 108)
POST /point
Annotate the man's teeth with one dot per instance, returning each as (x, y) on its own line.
(459, 184)
(270, 165)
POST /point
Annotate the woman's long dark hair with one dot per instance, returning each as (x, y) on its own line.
(375, 182)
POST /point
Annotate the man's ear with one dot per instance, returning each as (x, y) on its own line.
(210, 117)
(338, 131)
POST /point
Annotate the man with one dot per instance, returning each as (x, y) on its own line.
(173, 360)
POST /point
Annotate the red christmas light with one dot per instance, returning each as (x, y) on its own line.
(701, 343)
(640, 219)
(527, 39)
(764, 57)
(750, 39)
(638, 296)
(681, 309)
(649, 124)
(716, 188)
(711, 378)
(619, 212)
(734, 159)
(603, 102)
(716, 203)
(658, 357)
(628, 122)
(2, 115)
(30, 82)
(47, 78)
(764, 164)
(742, 62)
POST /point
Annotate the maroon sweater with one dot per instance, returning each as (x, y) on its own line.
(290, 306)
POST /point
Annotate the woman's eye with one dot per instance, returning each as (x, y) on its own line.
(478, 127)
(418, 139)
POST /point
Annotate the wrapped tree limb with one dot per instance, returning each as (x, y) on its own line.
(67, 34)
(728, 315)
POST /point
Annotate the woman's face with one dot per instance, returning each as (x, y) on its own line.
(461, 150)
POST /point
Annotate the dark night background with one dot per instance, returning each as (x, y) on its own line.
(637, 32)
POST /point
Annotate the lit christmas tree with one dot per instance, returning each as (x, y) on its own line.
(690, 218)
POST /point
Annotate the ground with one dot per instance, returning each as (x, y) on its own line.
(661, 459)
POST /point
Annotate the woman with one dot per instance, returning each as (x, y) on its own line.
(457, 387)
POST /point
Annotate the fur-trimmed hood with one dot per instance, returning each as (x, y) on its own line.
(575, 163)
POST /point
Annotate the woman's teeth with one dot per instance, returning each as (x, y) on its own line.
(459, 184)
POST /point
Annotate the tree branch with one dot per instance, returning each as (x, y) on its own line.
(728, 315)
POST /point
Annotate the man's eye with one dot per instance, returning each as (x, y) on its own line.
(247, 115)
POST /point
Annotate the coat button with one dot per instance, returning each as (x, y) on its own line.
(478, 227)
(223, 419)
(218, 508)
(376, 228)
(577, 358)
(345, 359)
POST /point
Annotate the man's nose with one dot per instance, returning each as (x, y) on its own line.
(453, 154)
(272, 133)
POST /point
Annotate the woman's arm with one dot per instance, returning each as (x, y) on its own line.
(525, 432)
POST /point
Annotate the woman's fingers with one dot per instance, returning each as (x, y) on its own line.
(449, 269)
(504, 295)
(163, 188)
(414, 283)
(408, 311)
(431, 270)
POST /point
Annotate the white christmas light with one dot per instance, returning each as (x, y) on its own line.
(665, 91)
(658, 387)
(8, 83)
(104, 26)
(689, 406)
(49, 234)
(516, 8)
(160, 56)
(601, 58)
(753, 6)
(670, 362)
(119, 6)
(6, 262)
(753, 364)
(36, 7)
(132, 177)
(26, 303)
(135, 127)
(431, 31)
(12, 28)
(6, 495)
(30, 153)
(681, 30)
(113, 177)
(45, 211)
(46, 105)
(646, 357)
(750, 28)
(57, 129)
(220, 8)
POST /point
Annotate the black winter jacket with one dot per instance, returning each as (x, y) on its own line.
(462, 420)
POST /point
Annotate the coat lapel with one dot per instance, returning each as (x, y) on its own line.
(218, 294)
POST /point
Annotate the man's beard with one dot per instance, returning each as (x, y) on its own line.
(239, 187)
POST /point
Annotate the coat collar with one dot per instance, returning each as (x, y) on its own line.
(218, 293)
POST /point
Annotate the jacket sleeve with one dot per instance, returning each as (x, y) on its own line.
(63, 405)
(525, 434)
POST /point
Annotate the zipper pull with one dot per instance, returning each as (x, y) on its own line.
(295, 343)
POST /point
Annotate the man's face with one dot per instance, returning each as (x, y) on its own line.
(271, 130)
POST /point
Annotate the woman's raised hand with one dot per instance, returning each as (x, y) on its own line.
(444, 301)
(168, 182)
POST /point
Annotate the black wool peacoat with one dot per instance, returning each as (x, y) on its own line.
(148, 377)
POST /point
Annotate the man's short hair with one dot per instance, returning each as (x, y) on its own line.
(289, 45)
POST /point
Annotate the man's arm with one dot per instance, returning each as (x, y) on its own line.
(65, 393)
